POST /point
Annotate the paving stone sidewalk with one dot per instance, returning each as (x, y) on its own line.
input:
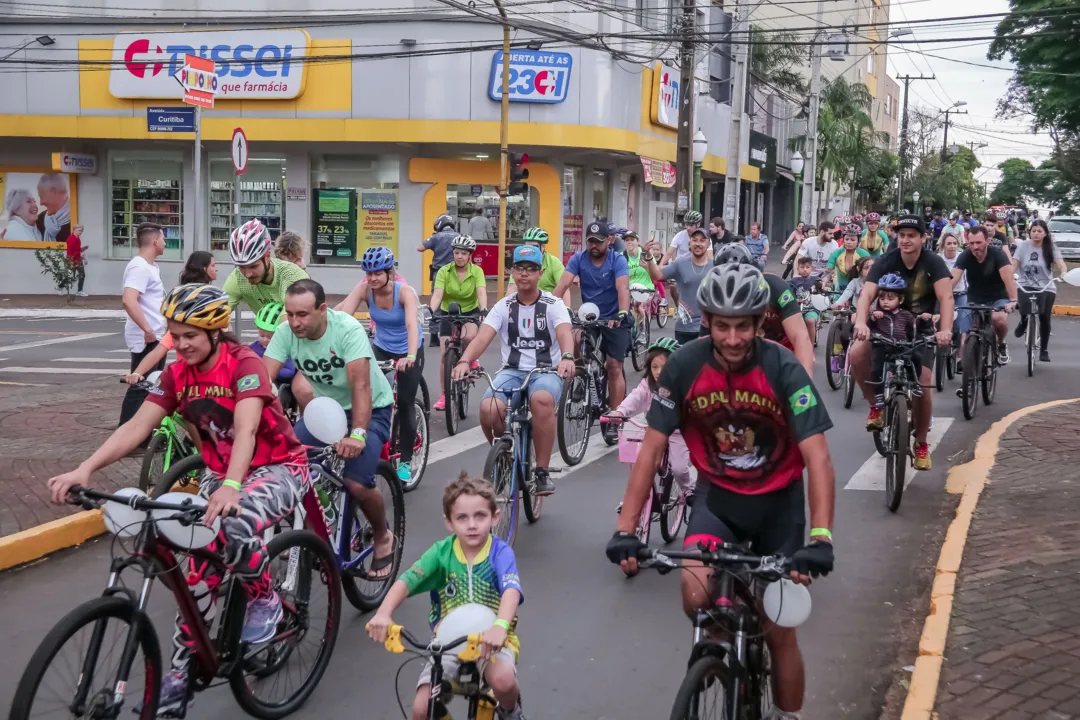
(1013, 649)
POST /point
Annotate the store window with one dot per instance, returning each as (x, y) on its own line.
(355, 205)
(573, 221)
(475, 209)
(601, 194)
(146, 187)
(261, 196)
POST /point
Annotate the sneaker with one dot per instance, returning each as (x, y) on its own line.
(262, 620)
(1044, 356)
(542, 484)
(1003, 354)
(960, 392)
(174, 692)
(618, 510)
(922, 456)
(404, 472)
(834, 364)
(514, 714)
(776, 713)
(440, 404)
(83, 293)
(1021, 327)
(875, 421)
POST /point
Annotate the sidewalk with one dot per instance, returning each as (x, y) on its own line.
(1013, 649)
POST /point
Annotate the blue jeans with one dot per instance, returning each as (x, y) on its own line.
(963, 317)
(509, 379)
(360, 469)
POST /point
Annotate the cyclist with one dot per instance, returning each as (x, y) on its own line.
(844, 258)
(687, 272)
(875, 240)
(989, 274)
(398, 336)
(680, 247)
(267, 321)
(953, 228)
(461, 282)
(757, 243)
(535, 330)
(259, 278)
(820, 248)
(889, 319)
(256, 470)
(442, 254)
(995, 234)
(1038, 260)
(783, 322)
(604, 276)
(332, 350)
(950, 252)
(926, 279)
(552, 269)
(752, 421)
(803, 285)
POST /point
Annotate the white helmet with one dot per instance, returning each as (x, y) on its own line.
(463, 242)
(249, 243)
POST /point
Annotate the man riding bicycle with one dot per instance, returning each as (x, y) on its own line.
(256, 470)
(687, 273)
(536, 332)
(331, 349)
(604, 276)
(752, 421)
(461, 282)
(990, 281)
(550, 271)
(680, 247)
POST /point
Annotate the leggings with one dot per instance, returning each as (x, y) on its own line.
(1046, 309)
(408, 383)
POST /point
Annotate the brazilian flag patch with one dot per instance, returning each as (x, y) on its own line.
(785, 298)
(802, 400)
(248, 382)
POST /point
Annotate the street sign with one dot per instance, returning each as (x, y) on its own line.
(170, 119)
(199, 80)
(239, 151)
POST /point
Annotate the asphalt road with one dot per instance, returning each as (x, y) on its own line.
(594, 644)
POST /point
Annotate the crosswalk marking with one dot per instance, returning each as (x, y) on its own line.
(871, 476)
(91, 360)
(54, 341)
(61, 371)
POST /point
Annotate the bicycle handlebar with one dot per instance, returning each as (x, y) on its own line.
(905, 344)
(767, 566)
(92, 499)
(471, 653)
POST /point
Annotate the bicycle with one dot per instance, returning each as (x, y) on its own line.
(947, 359)
(300, 561)
(639, 332)
(392, 450)
(667, 501)
(1033, 338)
(981, 361)
(456, 391)
(584, 396)
(168, 443)
(899, 383)
(836, 347)
(510, 461)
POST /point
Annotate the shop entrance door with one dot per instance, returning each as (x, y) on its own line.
(662, 223)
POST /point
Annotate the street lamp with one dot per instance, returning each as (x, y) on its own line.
(851, 190)
(701, 149)
(42, 40)
(900, 33)
(797, 168)
(915, 200)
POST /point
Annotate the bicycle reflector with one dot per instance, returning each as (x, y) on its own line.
(519, 173)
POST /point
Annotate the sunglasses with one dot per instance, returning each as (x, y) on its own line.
(525, 268)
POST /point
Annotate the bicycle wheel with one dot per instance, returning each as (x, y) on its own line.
(896, 461)
(989, 375)
(849, 387)
(180, 475)
(672, 508)
(463, 399)
(420, 448)
(449, 390)
(499, 471)
(1032, 343)
(275, 680)
(834, 355)
(92, 636)
(939, 371)
(644, 525)
(951, 356)
(640, 349)
(531, 503)
(363, 591)
(154, 464)
(425, 394)
(758, 687)
(661, 316)
(969, 379)
(575, 418)
(703, 692)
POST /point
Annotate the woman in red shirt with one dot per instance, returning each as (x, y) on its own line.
(256, 469)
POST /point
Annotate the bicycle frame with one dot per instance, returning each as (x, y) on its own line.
(468, 684)
(330, 466)
(170, 430)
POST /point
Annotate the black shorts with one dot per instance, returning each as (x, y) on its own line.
(446, 327)
(682, 337)
(614, 342)
(772, 522)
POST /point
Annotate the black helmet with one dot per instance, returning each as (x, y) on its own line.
(442, 222)
(733, 290)
(733, 253)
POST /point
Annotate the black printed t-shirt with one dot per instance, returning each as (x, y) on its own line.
(919, 297)
(782, 305)
(742, 429)
(985, 284)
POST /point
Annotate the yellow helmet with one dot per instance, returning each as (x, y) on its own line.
(203, 306)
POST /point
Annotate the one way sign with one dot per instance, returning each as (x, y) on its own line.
(239, 151)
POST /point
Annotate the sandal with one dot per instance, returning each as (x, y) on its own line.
(382, 563)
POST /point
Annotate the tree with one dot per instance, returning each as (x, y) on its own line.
(773, 57)
(1015, 184)
(924, 126)
(948, 186)
(55, 264)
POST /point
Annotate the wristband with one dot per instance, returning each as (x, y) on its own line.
(358, 434)
(623, 313)
(411, 357)
(567, 356)
(503, 624)
(821, 532)
(233, 484)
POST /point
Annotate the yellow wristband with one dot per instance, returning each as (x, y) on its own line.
(503, 624)
(233, 484)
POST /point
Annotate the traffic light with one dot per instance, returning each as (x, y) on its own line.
(518, 174)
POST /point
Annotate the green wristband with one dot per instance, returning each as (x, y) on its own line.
(411, 357)
(821, 532)
(233, 484)
(503, 624)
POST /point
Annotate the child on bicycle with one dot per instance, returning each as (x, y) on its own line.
(267, 321)
(856, 279)
(889, 319)
(470, 566)
(803, 284)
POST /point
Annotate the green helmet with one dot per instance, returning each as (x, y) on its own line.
(535, 234)
(664, 343)
(269, 317)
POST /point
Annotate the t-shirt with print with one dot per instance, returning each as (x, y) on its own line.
(819, 254)
(456, 290)
(782, 305)
(1034, 274)
(742, 429)
(919, 297)
(843, 263)
(323, 361)
(207, 401)
(874, 244)
(598, 282)
(639, 274)
(256, 296)
(444, 572)
(528, 331)
(145, 278)
(985, 284)
(687, 277)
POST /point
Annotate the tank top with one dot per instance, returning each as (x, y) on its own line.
(391, 333)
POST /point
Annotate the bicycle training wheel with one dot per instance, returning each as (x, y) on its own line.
(989, 377)
(450, 394)
(896, 461)
(834, 354)
(92, 637)
(499, 471)
(574, 418)
(531, 503)
(672, 508)
(703, 692)
(969, 379)
(363, 590)
(420, 448)
(277, 677)
(181, 476)
(640, 349)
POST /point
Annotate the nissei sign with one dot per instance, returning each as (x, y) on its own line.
(256, 64)
(536, 76)
(74, 163)
(665, 100)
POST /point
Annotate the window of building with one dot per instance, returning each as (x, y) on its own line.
(573, 219)
(355, 205)
(146, 187)
(601, 194)
(261, 196)
(719, 61)
(475, 209)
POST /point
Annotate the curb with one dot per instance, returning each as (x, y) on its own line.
(969, 479)
(28, 545)
(1067, 309)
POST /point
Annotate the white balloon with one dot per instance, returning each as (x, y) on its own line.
(190, 536)
(121, 519)
(786, 603)
(588, 311)
(819, 302)
(153, 377)
(325, 419)
(465, 620)
(1073, 276)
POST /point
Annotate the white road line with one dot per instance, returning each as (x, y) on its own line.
(455, 444)
(121, 350)
(61, 371)
(91, 360)
(596, 450)
(54, 341)
(871, 476)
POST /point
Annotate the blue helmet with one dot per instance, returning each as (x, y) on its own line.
(892, 282)
(376, 259)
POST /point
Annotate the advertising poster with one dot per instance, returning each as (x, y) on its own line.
(487, 257)
(335, 223)
(378, 221)
(36, 205)
(573, 229)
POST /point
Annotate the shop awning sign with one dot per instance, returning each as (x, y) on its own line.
(665, 96)
(76, 163)
(536, 76)
(658, 172)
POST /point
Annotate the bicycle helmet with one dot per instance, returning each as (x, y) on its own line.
(199, 305)
(853, 229)
(630, 234)
(463, 242)
(668, 344)
(442, 222)
(872, 218)
(733, 253)
(269, 317)
(692, 217)
(376, 259)
(249, 243)
(535, 234)
(733, 290)
(892, 282)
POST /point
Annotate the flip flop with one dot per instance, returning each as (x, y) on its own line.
(382, 563)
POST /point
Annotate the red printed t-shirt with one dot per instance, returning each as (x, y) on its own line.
(208, 399)
(782, 305)
(742, 429)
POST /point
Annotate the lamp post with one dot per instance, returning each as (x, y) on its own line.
(797, 168)
(851, 190)
(42, 40)
(701, 148)
(915, 201)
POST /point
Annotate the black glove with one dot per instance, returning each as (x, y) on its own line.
(623, 546)
(813, 559)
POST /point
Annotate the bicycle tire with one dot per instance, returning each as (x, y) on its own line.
(969, 378)
(102, 608)
(573, 452)
(499, 471)
(849, 388)
(661, 316)
(463, 400)
(832, 342)
(426, 395)
(153, 462)
(289, 406)
(640, 349)
(179, 472)
(939, 371)
(644, 523)
(420, 448)
(317, 561)
(672, 508)
(1032, 341)
(897, 461)
(696, 680)
(988, 382)
(365, 601)
(449, 395)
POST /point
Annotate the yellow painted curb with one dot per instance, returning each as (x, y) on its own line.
(1067, 309)
(969, 479)
(22, 547)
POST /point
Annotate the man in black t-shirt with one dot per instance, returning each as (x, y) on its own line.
(929, 291)
(990, 282)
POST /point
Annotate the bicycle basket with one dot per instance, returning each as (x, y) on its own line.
(630, 437)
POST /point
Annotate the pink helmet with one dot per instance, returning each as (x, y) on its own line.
(249, 243)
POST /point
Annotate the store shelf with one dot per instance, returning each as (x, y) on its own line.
(156, 201)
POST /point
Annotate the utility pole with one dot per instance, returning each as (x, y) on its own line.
(809, 178)
(504, 148)
(684, 156)
(733, 176)
(903, 138)
(945, 139)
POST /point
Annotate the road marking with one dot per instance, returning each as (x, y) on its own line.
(596, 450)
(123, 350)
(37, 332)
(2, 382)
(54, 341)
(871, 476)
(455, 444)
(91, 360)
(61, 371)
